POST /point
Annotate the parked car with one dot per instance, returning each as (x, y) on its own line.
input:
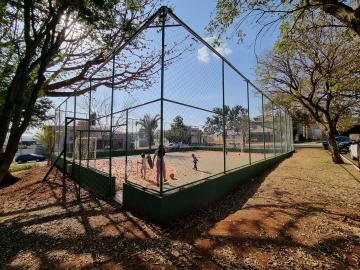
(29, 157)
(343, 143)
(172, 146)
(353, 151)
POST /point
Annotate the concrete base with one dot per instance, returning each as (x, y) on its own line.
(96, 181)
(170, 206)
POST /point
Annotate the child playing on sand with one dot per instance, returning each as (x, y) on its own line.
(195, 161)
(143, 166)
(149, 160)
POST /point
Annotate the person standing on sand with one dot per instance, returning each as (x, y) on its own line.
(150, 161)
(143, 162)
(159, 155)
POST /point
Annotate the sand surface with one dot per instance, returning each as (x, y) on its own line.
(178, 164)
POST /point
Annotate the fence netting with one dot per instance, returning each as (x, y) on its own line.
(167, 110)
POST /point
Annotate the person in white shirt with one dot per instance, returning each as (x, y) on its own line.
(143, 168)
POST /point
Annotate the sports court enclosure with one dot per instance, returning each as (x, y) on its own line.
(166, 88)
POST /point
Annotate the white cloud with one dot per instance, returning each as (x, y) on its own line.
(203, 52)
(223, 49)
(203, 55)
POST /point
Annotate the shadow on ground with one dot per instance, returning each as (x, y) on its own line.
(266, 223)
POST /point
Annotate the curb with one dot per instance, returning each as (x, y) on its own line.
(349, 162)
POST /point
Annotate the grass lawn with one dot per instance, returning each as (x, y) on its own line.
(22, 167)
(304, 214)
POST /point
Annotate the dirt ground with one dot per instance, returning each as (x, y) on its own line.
(304, 214)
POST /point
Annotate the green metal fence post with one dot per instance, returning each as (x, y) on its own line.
(223, 116)
(65, 140)
(286, 133)
(53, 131)
(263, 122)
(281, 133)
(80, 152)
(249, 127)
(74, 130)
(273, 124)
(291, 135)
(89, 124)
(111, 117)
(161, 147)
(126, 144)
(59, 128)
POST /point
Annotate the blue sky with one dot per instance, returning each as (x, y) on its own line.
(196, 80)
(197, 15)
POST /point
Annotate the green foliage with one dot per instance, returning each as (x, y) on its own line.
(149, 125)
(236, 119)
(41, 112)
(231, 15)
(314, 69)
(46, 137)
(345, 122)
(178, 132)
(47, 46)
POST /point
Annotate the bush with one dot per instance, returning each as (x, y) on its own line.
(22, 167)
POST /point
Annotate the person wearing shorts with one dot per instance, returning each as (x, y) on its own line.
(143, 162)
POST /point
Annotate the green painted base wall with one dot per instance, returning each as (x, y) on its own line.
(94, 180)
(172, 206)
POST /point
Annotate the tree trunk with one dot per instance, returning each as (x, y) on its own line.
(17, 129)
(333, 146)
(7, 157)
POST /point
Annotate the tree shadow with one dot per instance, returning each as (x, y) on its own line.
(356, 178)
(9, 181)
(224, 207)
(113, 237)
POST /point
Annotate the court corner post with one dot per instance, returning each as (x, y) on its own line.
(163, 13)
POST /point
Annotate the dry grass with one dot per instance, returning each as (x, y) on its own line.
(302, 215)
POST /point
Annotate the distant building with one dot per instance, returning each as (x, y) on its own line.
(196, 136)
(308, 132)
(258, 133)
(102, 139)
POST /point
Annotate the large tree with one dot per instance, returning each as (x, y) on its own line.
(317, 69)
(51, 46)
(232, 14)
(178, 131)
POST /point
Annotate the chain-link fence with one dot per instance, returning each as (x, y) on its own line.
(167, 110)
